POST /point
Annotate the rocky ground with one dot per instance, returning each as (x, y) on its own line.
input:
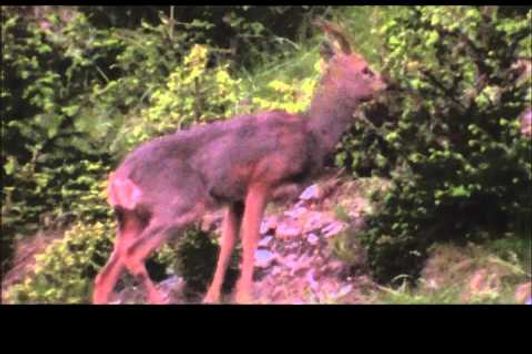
(295, 262)
(308, 254)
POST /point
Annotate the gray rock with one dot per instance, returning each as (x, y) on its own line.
(313, 239)
(264, 258)
(299, 204)
(311, 193)
(171, 284)
(291, 247)
(289, 261)
(296, 212)
(334, 266)
(265, 241)
(314, 285)
(344, 290)
(130, 295)
(300, 265)
(172, 289)
(275, 271)
(268, 224)
(332, 229)
(315, 221)
(287, 230)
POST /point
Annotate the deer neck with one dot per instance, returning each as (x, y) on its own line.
(330, 115)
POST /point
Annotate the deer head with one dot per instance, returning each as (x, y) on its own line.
(347, 71)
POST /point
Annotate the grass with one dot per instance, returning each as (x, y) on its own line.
(487, 274)
(295, 61)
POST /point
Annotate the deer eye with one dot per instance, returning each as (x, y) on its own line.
(367, 71)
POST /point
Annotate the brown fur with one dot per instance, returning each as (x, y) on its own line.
(170, 182)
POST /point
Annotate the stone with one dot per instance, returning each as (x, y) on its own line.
(314, 285)
(332, 229)
(174, 283)
(299, 204)
(313, 239)
(289, 261)
(264, 258)
(311, 193)
(267, 225)
(171, 289)
(315, 221)
(277, 293)
(265, 241)
(344, 290)
(276, 271)
(334, 266)
(299, 265)
(296, 212)
(287, 230)
(292, 246)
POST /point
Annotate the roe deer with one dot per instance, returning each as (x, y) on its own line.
(169, 182)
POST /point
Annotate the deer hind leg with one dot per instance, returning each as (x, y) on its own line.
(135, 254)
(128, 229)
(106, 279)
(138, 269)
(253, 211)
(230, 228)
(149, 240)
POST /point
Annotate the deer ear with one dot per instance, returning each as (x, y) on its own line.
(338, 41)
(326, 50)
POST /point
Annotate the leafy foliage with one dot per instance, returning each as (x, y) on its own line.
(83, 86)
(64, 272)
(472, 274)
(450, 139)
(51, 155)
(192, 93)
(293, 96)
(197, 253)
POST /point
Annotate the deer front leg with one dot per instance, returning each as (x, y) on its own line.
(253, 211)
(231, 224)
(106, 279)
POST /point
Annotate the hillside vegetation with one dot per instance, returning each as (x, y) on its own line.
(444, 159)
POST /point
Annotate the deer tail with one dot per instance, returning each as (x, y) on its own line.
(122, 192)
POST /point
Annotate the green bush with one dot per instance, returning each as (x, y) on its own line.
(51, 156)
(249, 35)
(80, 93)
(78, 98)
(197, 253)
(471, 274)
(292, 94)
(65, 271)
(450, 138)
(69, 88)
(192, 93)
